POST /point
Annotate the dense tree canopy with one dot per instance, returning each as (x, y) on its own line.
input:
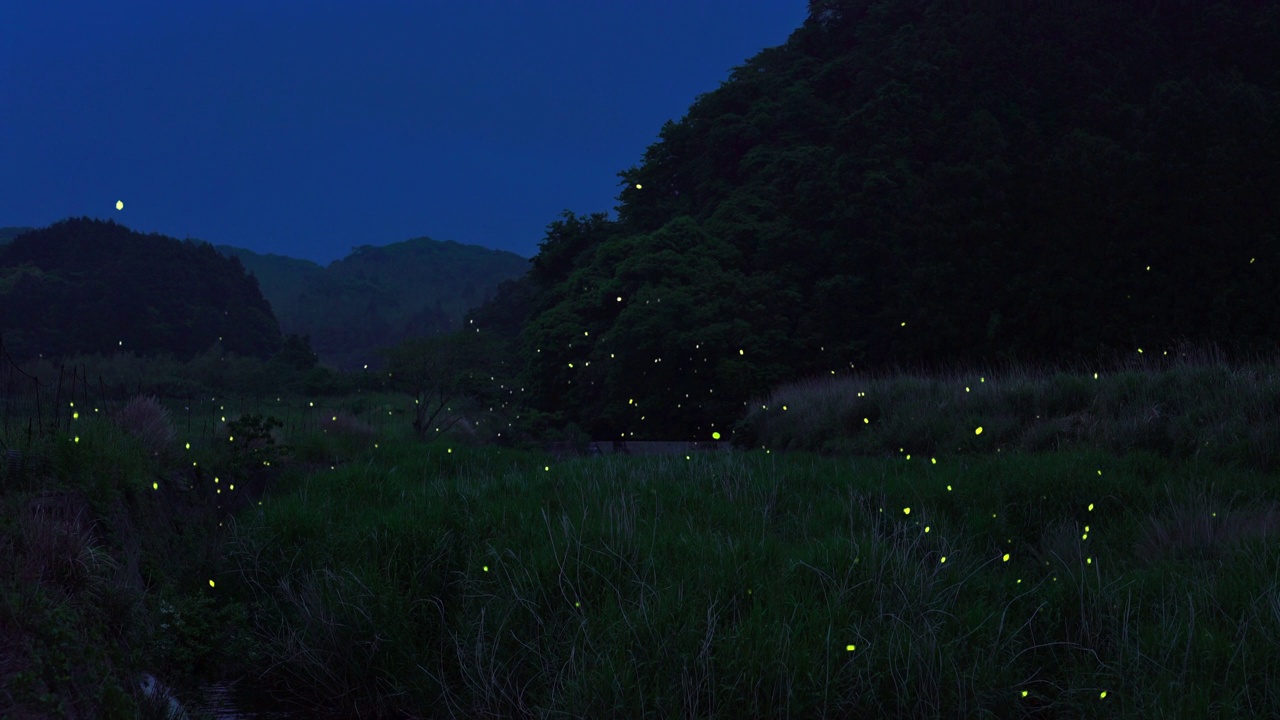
(924, 182)
(915, 182)
(88, 286)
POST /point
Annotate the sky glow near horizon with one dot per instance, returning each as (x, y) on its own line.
(306, 129)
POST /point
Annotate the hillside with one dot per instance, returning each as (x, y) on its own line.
(374, 297)
(921, 183)
(85, 286)
(9, 233)
(377, 296)
(282, 280)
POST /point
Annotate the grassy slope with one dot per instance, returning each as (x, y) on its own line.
(1037, 569)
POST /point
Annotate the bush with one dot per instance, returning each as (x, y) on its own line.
(323, 381)
(146, 419)
(255, 442)
(191, 636)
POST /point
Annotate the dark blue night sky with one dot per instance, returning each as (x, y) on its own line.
(307, 128)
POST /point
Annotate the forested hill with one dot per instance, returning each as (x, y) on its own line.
(378, 296)
(922, 181)
(282, 279)
(9, 233)
(83, 285)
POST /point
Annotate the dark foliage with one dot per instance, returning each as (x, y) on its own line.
(88, 286)
(916, 182)
(296, 353)
(378, 296)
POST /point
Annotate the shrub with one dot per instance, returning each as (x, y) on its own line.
(145, 419)
(256, 439)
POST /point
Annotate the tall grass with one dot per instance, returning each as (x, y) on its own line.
(110, 535)
(1184, 405)
(1058, 584)
(1098, 560)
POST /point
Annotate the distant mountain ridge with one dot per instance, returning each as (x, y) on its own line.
(374, 297)
(282, 279)
(377, 296)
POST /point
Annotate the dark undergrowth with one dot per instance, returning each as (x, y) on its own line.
(1104, 547)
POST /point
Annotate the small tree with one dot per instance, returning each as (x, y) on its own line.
(439, 370)
(296, 353)
(289, 369)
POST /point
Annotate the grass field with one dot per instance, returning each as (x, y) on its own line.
(1105, 547)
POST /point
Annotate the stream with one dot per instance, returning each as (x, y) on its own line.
(225, 701)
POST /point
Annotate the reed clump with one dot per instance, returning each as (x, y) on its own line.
(144, 418)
